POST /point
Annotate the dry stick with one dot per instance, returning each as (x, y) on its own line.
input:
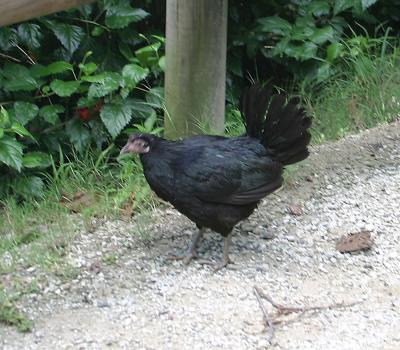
(284, 310)
(267, 318)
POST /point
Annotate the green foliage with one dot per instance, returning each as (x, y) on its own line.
(365, 90)
(9, 313)
(71, 81)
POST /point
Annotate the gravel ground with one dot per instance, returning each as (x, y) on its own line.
(127, 295)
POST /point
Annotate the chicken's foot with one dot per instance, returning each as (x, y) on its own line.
(191, 253)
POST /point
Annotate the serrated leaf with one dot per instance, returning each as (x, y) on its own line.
(64, 88)
(69, 35)
(18, 78)
(116, 116)
(11, 152)
(108, 84)
(140, 108)
(4, 117)
(150, 121)
(7, 38)
(25, 111)
(30, 34)
(121, 14)
(28, 186)
(155, 97)
(132, 74)
(39, 71)
(50, 113)
(321, 35)
(342, 5)
(20, 130)
(36, 160)
(319, 7)
(147, 55)
(275, 25)
(78, 134)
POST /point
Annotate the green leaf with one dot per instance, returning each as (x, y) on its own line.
(155, 97)
(333, 51)
(140, 108)
(11, 152)
(4, 117)
(147, 55)
(161, 63)
(342, 5)
(70, 36)
(275, 25)
(64, 88)
(1, 132)
(321, 35)
(18, 78)
(7, 38)
(39, 71)
(30, 34)
(121, 14)
(319, 7)
(28, 186)
(132, 74)
(116, 116)
(367, 3)
(126, 51)
(36, 160)
(97, 78)
(108, 84)
(25, 111)
(78, 134)
(150, 121)
(20, 130)
(88, 68)
(50, 113)
(97, 31)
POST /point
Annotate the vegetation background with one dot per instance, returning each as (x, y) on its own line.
(74, 84)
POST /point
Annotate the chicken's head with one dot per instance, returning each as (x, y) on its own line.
(138, 143)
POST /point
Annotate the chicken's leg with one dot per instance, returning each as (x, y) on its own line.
(191, 253)
(225, 254)
(226, 260)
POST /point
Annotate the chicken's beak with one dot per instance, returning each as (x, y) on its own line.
(124, 149)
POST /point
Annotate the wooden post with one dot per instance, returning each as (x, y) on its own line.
(14, 11)
(196, 39)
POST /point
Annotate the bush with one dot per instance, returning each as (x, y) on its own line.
(74, 80)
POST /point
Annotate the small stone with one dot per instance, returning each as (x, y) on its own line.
(295, 209)
(267, 235)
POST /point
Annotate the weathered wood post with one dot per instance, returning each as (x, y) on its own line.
(14, 11)
(196, 39)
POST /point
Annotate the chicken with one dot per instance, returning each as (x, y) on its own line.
(218, 181)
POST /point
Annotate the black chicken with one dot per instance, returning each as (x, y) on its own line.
(217, 181)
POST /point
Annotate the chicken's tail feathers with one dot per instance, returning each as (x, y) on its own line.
(279, 123)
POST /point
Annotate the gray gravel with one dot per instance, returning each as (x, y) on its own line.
(127, 295)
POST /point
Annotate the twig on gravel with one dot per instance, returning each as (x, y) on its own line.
(267, 318)
(286, 310)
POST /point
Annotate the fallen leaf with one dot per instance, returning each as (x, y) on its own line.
(355, 241)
